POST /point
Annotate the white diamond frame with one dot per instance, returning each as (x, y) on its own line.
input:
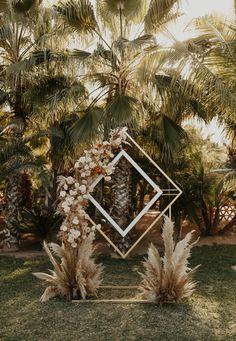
(176, 193)
(122, 232)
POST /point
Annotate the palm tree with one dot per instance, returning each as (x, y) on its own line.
(111, 69)
(200, 172)
(221, 59)
(18, 163)
(24, 33)
(130, 73)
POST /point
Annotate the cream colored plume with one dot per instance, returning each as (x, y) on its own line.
(168, 279)
(76, 275)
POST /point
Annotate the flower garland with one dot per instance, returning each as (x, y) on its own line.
(74, 190)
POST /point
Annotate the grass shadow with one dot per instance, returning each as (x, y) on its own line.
(207, 315)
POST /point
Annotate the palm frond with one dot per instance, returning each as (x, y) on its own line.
(168, 135)
(131, 10)
(69, 94)
(36, 59)
(123, 45)
(88, 126)
(121, 110)
(80, 55)
(230, 178)
(157, 14)
(175, 102)
(78, 15)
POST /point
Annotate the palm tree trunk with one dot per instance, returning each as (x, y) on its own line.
(121, 210)
(216, 220)
(14, 198)
(51, 198)
(12, 209)
(206, 218)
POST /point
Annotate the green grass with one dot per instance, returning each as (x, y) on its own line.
(210, 314)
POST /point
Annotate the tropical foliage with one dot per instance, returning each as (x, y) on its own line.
(72, 71)
(203, 174)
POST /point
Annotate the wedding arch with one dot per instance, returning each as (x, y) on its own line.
(99, 163)
(77, 275)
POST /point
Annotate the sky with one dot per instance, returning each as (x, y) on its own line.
(193, 9)
(198, 8)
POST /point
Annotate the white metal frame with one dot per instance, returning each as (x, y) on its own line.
(175, 193)
(122, 232)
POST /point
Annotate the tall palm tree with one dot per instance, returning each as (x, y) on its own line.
(221, 60)
(127, 72)
(18, 163)
(111, 70)
(24, 33)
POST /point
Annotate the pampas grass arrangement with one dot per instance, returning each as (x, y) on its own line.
(168, 279)
(76, 275)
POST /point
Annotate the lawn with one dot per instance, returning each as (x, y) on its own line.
(208, 315)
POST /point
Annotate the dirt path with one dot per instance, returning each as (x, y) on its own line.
(154, 236)
(139, 250)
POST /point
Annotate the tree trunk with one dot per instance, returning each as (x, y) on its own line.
(143, 190)
(25, 191)
(51, 197)
(121, 210)
(14, 198)
(216, 220)
(12, 209)
(206, 218)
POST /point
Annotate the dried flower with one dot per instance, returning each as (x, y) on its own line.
(75, 221)
(82, 159)
(82, 188)
(70, 180)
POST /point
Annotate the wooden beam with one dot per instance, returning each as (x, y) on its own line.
(117, 301)
(118, 287)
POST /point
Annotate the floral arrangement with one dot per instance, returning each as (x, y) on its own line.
(77, 275)
(74, 190)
